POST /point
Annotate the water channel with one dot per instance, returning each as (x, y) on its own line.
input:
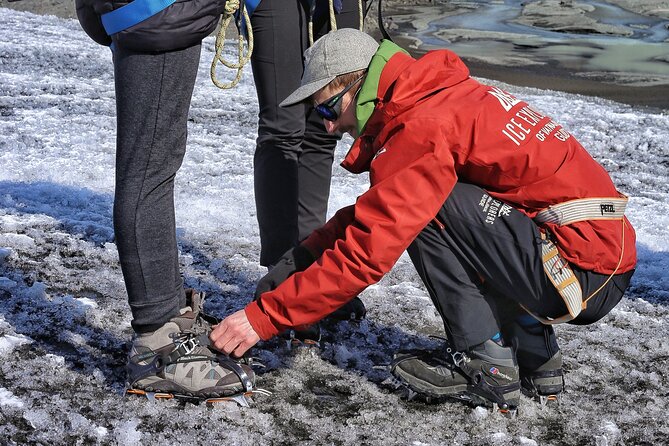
(605, 40)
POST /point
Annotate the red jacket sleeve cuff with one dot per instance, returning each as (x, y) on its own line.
(312, 245)
(260, 322)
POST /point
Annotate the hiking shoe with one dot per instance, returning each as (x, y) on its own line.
(175, 361)
(353, 310)
(539, 358)
(486, 374)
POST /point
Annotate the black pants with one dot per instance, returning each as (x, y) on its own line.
(485, 260)
(153, 94)
(294, 153)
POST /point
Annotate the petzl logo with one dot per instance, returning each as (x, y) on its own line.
(494, 370)
(607, 208)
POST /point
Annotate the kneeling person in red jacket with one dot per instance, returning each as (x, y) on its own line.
(509, 221)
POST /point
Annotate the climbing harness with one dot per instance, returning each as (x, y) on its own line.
(557, 268)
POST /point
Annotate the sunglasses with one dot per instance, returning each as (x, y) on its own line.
(330, 108)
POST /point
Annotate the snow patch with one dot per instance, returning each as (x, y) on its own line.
(8, 399)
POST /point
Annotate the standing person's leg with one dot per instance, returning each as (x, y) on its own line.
(153, 93)
(317, 149)
(279, 29)
(314, 175)
(317, 154)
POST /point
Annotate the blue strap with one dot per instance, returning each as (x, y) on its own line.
(132, 14)
(251, 6)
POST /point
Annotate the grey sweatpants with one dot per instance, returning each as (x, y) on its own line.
(485, 260)
(153, 94)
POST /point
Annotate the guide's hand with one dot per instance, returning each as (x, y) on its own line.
(234, 335)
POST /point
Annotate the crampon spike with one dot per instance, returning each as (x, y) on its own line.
(151, 396)
(411, 394)
(392, 382)
(549, 400)
(307, 344)
(510, 412)
(241, 399)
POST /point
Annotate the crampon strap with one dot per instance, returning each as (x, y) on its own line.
(233, 365)
(159, 362)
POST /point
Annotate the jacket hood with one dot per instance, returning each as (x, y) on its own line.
(395, 83)
(406, 81)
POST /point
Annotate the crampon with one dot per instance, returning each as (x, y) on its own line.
(241, 399)
(486, 375)
(307, 336)
(467, 397)
(546, 395)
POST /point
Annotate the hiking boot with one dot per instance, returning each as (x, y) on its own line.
(310, 335)
(545, 382)
(353, 310)
(303, 336)
(203, 322)
(486, 374)
(539, 358)
(175, 361)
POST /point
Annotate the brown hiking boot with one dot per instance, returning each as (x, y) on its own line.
(175, 361)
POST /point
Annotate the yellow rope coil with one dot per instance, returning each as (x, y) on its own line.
(231, 7)
(333, 20)
(243, 58)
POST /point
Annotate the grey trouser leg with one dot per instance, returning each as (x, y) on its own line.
(487, 260)
(153, 94)
(294, 153)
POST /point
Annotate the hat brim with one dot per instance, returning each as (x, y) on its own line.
(305, 91)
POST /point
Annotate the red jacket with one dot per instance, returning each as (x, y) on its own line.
(433, 126)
